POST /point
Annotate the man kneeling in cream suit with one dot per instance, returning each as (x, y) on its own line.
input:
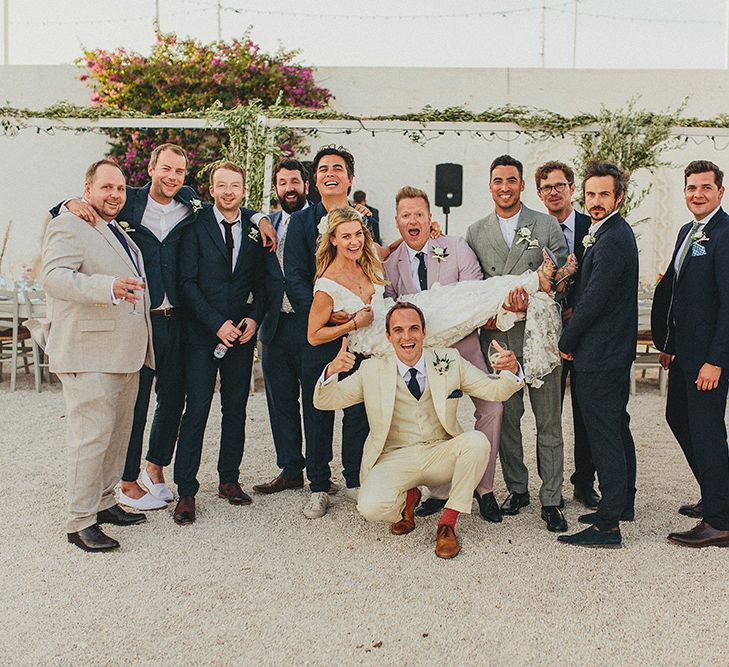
(411, 398)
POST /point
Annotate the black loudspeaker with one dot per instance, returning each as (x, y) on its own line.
(448, 185)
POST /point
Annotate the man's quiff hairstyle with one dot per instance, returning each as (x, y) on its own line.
(598, 168)
(403, 305)
(93, 168)
(409, 192)
(341, 151)
(507, 161)
(553, 165)
(179, 150)
(230, 166)
(703, 167)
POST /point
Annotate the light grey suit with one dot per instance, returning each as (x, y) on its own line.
(97, 350)
(497, 259)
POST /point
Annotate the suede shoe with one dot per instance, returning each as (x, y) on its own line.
(119, 517)
(694, 511)
(592, 537)
(587, 496)
(446, 542)
(407, 523)
(488, 508)
(430, 506)
(514, 502)
(556, 523)
(92, 539)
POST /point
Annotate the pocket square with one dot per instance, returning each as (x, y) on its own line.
(456, 393)
(697, 250)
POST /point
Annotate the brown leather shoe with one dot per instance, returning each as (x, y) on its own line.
(407, 523)
(184, 511)
(446, 542)
(694, 511)
(279, 484)
(234, 494)
(93, 539)
(701, 535)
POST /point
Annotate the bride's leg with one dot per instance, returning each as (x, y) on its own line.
(563, 274)
(546, 273)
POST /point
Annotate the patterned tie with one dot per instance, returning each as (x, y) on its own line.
(286, 306)
(414, 385)
(125, 245)
(422, 271)
(687, 245)
(229, 244)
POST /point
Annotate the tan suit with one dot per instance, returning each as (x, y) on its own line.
(97, 350)
(413, 442)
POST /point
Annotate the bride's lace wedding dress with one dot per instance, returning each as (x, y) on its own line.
(454, 311)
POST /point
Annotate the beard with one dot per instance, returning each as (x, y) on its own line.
(297, 205)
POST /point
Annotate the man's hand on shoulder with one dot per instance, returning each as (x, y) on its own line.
(268, 233)
(83, 210)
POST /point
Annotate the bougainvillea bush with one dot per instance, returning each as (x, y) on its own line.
(182, 74)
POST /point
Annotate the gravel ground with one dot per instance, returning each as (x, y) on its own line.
(264, 584)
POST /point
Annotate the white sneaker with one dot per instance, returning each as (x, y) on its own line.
(352, 493)
(161, 490)
(316, 508)
(145, 503)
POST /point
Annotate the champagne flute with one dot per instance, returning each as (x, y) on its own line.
(494, 353)
(143, 283)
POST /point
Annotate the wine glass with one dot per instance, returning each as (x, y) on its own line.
(143, 282)
(493, 353)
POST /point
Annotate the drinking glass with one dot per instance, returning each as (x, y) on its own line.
(493, 354)
(143, 281)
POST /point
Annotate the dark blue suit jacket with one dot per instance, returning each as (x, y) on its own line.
(690, 314)
(582, 226)
(211, 292)
(160, 257)
(603, 331)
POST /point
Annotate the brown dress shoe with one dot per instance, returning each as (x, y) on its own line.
(407, 523)
(185, 511)
(701, 535)
(234, 494)
(446, 542)
(279, 484)
(93, 539)
(694, 511)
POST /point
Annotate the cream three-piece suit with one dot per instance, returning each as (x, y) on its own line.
(417, 442)
(97, 349)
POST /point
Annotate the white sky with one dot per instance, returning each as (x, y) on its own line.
(417, 33)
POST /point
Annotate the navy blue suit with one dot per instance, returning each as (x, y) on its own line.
(212, 293)
(300, 269)
(161, 267)
(584, 475)
(602, 336)
(690, 319)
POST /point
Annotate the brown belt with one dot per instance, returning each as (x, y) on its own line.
(163, 312)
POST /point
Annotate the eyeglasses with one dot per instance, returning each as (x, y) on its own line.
(557, 187)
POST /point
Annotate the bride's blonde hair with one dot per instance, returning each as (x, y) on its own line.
(326, 251)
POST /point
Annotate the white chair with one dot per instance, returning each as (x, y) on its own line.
(35, 304)
(13, 338)
(646, 359)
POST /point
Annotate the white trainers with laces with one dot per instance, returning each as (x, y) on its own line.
(317, 505)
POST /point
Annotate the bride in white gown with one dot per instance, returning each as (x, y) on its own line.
(350, 278)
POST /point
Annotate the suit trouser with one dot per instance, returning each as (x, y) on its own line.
(169, 387)
(584, 475)
(282, 363)
(603, 399)
(99, 409)
(545, 402)
(235, 381)
(488, 416)
(355, 427)
(697, 421)
(458, 462)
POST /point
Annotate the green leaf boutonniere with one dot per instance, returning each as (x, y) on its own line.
(195, 205)
(524, 235)
(441, 364)
(441, 254)
(588, 241)
(254, 234)
(125, 226)
(700, 237)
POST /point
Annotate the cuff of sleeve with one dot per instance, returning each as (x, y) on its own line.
(518, 376)
(323, 380)
(114, 300)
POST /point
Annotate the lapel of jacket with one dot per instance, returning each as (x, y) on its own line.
(103, 228)
(492, 236)
(433, 263)
(582, 226)
(719, 215)
(437, 382)
(526, 219)
(388, 389)
(140, 203)
(213, 229)
(404, 271)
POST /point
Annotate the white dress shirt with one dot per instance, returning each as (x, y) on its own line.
(700, 228)
(596, 225)
(419, 367)
(415, 263)
(568, 228)
(283, 224)
(236, 229)
(508, 227)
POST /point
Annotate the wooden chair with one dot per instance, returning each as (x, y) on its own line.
(35, 303)
(647, 358)
(13, 337)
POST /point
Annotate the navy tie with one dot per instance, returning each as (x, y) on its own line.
(125, 245)
(414, 385)
(422, 271)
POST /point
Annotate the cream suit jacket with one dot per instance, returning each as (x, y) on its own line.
(83, 330)
(375, 384)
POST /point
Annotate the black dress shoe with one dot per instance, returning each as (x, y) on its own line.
(92, 539)
(587, 496)
(592, 537)
(694, 511)
(514, 502)
(430, 506)
(591, 517)
(556, 523)
(119, 517)
(488, 507)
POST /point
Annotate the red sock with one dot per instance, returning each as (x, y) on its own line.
(410, 497)
(449, 517)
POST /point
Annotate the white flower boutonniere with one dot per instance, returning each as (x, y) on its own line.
(125, 226)
(699, 237)
(254, 234)
(441, 364)
(196, 205)
(323, 224)
(441, 254)
(524, 235)
(588, 241)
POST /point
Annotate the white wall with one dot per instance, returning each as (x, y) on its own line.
(37, 170)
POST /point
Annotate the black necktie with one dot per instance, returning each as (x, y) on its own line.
(422, 271)
(564, 231)
(125, 245)
(228, 227)
(414, 385)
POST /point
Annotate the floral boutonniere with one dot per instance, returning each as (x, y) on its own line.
(254, 234)
(441, 254)
(195, 205)
(441, 364)
(125, 226)
(524, 235)
(699, 237)
(588, 240)
(323, 225)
